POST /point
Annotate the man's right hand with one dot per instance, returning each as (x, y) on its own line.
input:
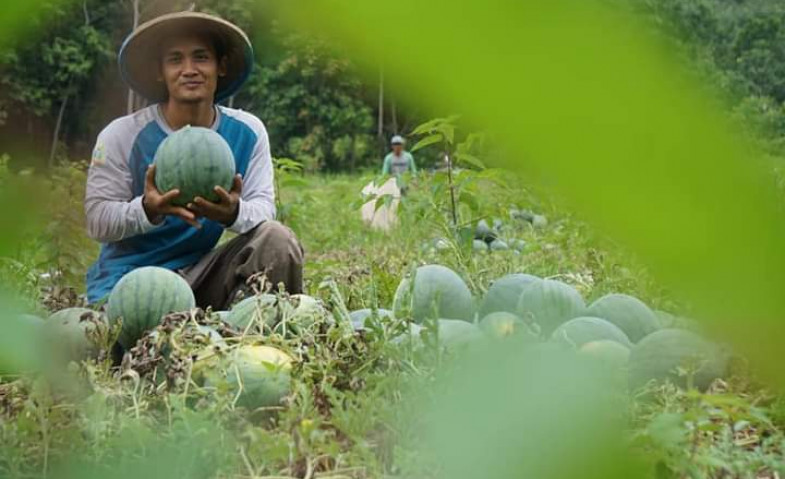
(157, 205)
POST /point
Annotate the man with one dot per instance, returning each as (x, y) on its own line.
(398, 161)
(185, 63)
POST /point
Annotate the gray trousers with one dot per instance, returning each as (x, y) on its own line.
(271, 249)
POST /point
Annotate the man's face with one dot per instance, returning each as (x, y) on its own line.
(190, 69)
(397, 149)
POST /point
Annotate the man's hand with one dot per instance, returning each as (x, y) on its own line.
(227, 208)
(157, 205)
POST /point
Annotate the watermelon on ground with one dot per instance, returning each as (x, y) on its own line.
(504, 293)
(659, 355)
(76, 334)
(502, 324)
(608, 352)
(194, 160)
(549, 303)
(453, 333)
(579, 331)
(412, 335)
(258, 376)
(435, 292)
(630, 314)
(142, 297)
(261, 310)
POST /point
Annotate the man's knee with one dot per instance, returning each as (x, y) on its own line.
(273, 237)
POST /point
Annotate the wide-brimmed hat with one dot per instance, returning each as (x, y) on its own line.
(139, 56)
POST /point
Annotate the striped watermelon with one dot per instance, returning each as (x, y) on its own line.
(630, 314)
(579, 331)
(194, 160)
(258, 376)
(549, 303)
(142, 297)
(437, 292)
(504, 293)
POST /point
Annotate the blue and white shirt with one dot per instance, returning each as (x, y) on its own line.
(115, 185)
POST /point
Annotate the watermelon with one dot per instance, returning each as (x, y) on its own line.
(484, 232)
(142, 297)
(608, 352)
(504, 293)
(660, 354)
(502, 324)
(194, 160)
(549, 303)
(258, 376)
(359, 316)
(76, 333)
(630, 314)
(261, 309)
(579, 331)
(455, 333)
(498, 245)
(436, 292)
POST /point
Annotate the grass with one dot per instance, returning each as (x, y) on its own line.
(351, 412)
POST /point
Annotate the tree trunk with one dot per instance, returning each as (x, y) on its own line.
(56, 135)
(131, 95)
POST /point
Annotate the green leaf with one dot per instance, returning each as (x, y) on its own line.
(469, 199)
(428, 140)
(469, 160)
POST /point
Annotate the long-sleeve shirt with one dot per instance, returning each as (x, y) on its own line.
(115, 185)
(397, 165)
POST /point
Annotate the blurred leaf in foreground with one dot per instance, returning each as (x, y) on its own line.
(590, 104)
(537, 412)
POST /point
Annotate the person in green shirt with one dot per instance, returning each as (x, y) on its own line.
(398, 161)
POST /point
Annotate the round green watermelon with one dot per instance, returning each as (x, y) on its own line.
(142, 297)
(502, 324)
(261, 310)
(549, 303)
(579, 331)
(76, 333)
(436, 292)
(659, 355)
(504, 293)
(498, 245)
(455, 333)
(630, 314)
(258, 376)
(194, 160)
(608, 352)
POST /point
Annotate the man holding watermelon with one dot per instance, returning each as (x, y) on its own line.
(184, 64)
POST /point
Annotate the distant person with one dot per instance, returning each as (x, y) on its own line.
(398, 161)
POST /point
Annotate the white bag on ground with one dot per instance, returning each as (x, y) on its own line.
(385, 216)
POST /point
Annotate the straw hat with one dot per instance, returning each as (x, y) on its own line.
(139, 56)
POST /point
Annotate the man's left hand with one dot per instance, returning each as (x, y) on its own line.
(227, 208)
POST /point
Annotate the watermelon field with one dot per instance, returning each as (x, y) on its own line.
(369, 376)
(583, 279)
